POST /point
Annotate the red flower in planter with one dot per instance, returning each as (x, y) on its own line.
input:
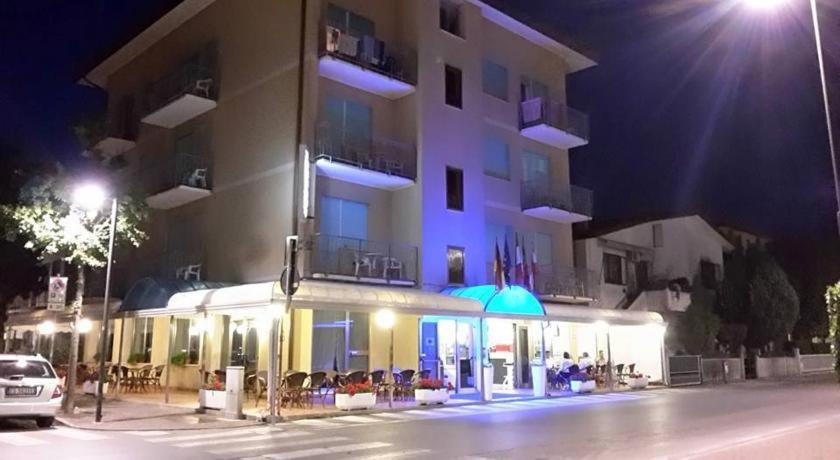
(353, 388)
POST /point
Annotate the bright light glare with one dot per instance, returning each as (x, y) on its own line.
(242, 329)
(84, 326)
(89, 197)
(602, 326)
(765, 5)
(385, 319)
(46, 327)
(21, 363)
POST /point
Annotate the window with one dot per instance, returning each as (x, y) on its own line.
(27, 368)
(613, 272)
(348, 22)
(141, 344)
(657, 235)
(496, 158)
(343, 218)
(452, 82)
(494, 80)
(187, 339)
(535, 168)
(244, 344)
(709, 274)
(340, 340)
(348, 128)
(450, 17)
(454, 189)
(455, 265)
(531, 89)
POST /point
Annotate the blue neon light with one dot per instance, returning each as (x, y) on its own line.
(512, 300)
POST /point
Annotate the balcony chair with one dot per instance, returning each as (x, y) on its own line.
(202, 87)
(392, 264)
(198, 178)
(364, 260)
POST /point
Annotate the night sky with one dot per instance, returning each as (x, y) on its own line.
(696, 105)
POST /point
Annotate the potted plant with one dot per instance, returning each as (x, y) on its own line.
(179, 359)
(637, 380)
(135, 358)
(431, 391)
(355, 396)
(212, 394)
(582, 383)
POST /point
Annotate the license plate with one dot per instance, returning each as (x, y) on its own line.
(21, 391)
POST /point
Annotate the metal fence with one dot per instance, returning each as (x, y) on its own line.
(685, 370)
(719, 370)
(539, 110)
(196, 76)
(552, 280)
(180, 169)
(574, 199)
(363, 260)
(392, 60)
(816, 363)
(379, 154)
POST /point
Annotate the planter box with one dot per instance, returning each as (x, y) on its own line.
(90, 388)
(583, 387)
(424, 397)
(357, 401)
(637, 383)
(211, 399)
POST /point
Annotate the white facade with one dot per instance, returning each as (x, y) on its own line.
(653, 262)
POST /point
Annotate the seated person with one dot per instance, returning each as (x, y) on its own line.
(566, 363)
(585, 361)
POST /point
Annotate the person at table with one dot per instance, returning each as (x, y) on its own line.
(566, 363)
(585, 361)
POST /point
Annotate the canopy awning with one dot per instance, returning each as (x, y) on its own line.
(582, 314)
(320, 295)
(150, 293)
(91, 309)
(512, 300)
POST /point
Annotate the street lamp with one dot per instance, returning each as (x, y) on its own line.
(768, 5)
(385, 319)
(91, 197)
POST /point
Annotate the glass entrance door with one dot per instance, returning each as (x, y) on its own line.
(466, 356)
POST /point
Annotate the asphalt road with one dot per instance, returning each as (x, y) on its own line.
(761, 420)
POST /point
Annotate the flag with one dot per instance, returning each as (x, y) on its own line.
(526, 277)
(507, 262)
(498, 276)
(518, 274)
(533, 268)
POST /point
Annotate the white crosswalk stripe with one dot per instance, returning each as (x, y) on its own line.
(343, 449)
(146, 434)
(318, 423)
(191, 437)
(397, 454)
(20, 439)
(77, 434)
(356, 419)
(271, 445)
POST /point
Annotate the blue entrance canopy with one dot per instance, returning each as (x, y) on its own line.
(148, 293)
(512, 300)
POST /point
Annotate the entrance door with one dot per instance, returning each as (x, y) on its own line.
(466, 357)
(523, 360)
(429, 350)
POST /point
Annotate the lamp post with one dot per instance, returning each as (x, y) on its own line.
(91, 197)
(768, 5)
(385, 319)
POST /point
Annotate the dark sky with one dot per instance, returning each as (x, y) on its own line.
(696, 105)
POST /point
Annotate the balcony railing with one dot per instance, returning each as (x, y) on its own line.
(369, 64)
(559, 281)
(179, 180)
(184, 265)
(541, 199)
(553, 123)
(352, 259)
(376, 162)
(190, 90)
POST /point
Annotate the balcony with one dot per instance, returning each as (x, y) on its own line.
(373, 162)
(181, 96)
(183, 179)
(553, 124)
(183, 265)
(568, 206)
(367, 63)
(363, 261)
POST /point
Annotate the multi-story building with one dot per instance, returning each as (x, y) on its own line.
(402, 141)
(651, 265)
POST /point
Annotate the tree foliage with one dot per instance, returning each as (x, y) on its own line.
(773, 303)
(699, 325)
(832, 300)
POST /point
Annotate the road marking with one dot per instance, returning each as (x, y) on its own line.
(398, 454)
(211, 442)
(77, 434)
(215, 434)
(17, 439)
(356, 419)
(146, 433)
(394, 415)
(326, 451)
(316, 422)
(265, 446)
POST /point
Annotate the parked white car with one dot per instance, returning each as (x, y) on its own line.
(29, 389)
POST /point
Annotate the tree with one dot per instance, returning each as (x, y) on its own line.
(773, 303)
(832, 300)
(699, 325)
(46, 222)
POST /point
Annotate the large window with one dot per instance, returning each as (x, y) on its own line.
(340, 341)
(453, 86)
(531, 89)
(187, 339)
(613, 269)
(450, 17)
(454, 189)
(494, 80)
(496, 158)
(348, 22)
(455, 265)
(536, 168)
(344, 218)
(348, 129)
(141, 344)
(244, 344)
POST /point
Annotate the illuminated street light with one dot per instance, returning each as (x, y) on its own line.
(89, 197)
(766, 5)
(84, 326)
(46, 328)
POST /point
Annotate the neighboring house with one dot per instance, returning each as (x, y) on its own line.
(650, 265)
(743, 238)
(430, 131)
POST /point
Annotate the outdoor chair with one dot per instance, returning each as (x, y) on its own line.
(392, 265)
(143, 376)
(377, 380)
(256, 383)
(315, 383)
(365, 261)
(154, 377)
(403, 384)
(355, 377)
(126, 379)
(198, 178)
(202, 87)
(425, 374)
(292, 389)
(619, 372)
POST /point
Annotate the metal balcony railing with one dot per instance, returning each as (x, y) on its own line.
(552, 280)
(183, 264)
(375, 154)
(535, 194)
(180, 169)
(363, 260)
(539, 110)
(196, 76)
(387, 59)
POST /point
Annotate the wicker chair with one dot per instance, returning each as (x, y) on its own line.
(292, 390)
